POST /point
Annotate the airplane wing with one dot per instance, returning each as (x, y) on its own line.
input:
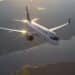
(61, 26)
(13, 30)
(37, 40)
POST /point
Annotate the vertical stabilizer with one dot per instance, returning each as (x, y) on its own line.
(27, 14)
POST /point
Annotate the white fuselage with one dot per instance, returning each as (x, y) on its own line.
(49, 36)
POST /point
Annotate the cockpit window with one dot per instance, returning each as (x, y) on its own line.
(54, 38)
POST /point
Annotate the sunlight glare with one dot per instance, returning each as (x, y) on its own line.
(23, 31)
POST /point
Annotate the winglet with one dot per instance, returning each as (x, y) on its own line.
(69, 20)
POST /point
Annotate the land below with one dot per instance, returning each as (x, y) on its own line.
(49, 69)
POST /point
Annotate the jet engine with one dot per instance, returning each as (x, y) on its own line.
(30, 37)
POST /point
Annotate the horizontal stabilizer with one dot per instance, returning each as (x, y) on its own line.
(35, 19)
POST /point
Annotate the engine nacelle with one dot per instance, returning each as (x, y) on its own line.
(30, 37)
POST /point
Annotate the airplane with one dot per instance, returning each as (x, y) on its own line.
(37, 29)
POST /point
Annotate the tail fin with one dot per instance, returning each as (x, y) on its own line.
(27, 14)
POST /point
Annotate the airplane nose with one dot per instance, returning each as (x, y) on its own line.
(55, 38)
